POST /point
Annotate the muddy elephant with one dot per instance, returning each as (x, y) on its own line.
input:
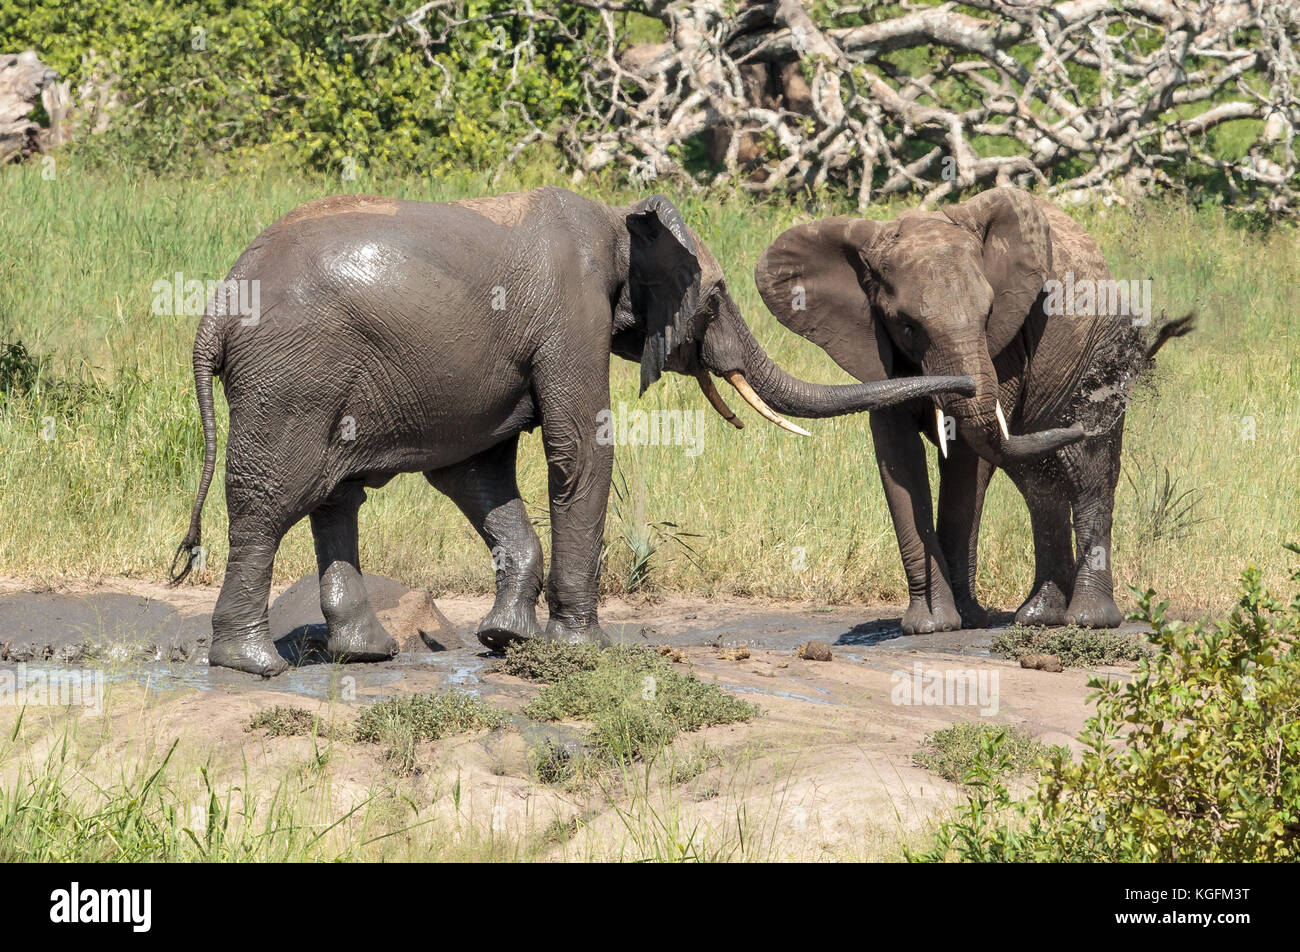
(993, 288)
(393, 336)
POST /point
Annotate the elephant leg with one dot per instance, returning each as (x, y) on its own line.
(900, 457)
(1049, 517)
(579, 468)
(241, 631)
(484, 489)
(1093, 473)
(963, 478)
(355, 634)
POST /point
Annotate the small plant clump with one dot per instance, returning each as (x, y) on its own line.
(285, 721)
(953, 751)
(1076, 647)
(635, 700)
(402, 723)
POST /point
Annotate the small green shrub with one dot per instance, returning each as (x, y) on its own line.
(953, 751)
(1076, 647)
(401, 723)
(637, 703)
(544, 661)
(284, 721)
(1193, 760)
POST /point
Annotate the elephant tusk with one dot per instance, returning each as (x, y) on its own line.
(943, 435)
(1002, 420)
(737, 380)
(715, 398)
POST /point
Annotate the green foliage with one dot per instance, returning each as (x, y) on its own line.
(285, 721)
(635, 700)
(19, 368)
(1076, 647)
(543, 661)
(401, 723)
(1194, 760)
(232, 80)
(954, 751)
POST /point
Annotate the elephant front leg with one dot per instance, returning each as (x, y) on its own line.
(1049, 516)
(1094, 473)
(963, 478)
(484, 488)
(579, 468)
(355, 634)
(900, 456)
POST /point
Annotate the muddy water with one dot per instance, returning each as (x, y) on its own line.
(150, 640)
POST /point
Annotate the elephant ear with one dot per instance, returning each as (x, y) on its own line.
(1017, 243)
(814, 280)
(663, 281)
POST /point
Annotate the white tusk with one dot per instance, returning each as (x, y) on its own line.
(715, 398)
(737, 380)
(943, 436)
(1002, 420)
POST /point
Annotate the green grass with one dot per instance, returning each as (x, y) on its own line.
(769, 514)
(953, 751)
(402, 723)
(1076, 647)
(285, 721)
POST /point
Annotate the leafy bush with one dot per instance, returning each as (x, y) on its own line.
(234, 78)
(1076, 647)
(400, 723)
(953, 751)
(1194, 760)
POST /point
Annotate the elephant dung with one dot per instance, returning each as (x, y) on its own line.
(1042, 662)
(815, 651)
(410, 615)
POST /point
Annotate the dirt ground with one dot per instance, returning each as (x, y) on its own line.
(825, 772)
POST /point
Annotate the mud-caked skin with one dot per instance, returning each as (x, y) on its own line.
(396, 336)
(966, 291)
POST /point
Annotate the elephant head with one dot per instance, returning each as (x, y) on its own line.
(675, 313)
(930, 292)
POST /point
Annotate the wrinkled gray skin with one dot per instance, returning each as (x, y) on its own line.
(399, 336)
(961, 291)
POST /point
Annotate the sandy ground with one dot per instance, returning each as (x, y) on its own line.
(826, 772)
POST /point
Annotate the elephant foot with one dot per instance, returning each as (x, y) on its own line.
(1093, 611)
(922, 618)
(508, 623)
(250, 650)
(973, 614)
(1044, 608)
(571, 633)
(360, 639)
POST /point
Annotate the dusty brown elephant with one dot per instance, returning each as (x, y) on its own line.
(399, 336)
(987, 288)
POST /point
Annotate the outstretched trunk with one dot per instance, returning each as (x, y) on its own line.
(789, 395)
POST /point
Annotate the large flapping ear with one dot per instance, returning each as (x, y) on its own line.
(663, 280)
(814, 279)
(1017, 244)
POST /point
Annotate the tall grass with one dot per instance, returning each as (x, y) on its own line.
(773, 515)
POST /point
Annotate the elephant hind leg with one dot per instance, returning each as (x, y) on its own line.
(484, 489)
(1049, 515)
(241, 632)
(355, 634)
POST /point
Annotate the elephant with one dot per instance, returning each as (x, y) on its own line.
(394, 336)
(980, 289)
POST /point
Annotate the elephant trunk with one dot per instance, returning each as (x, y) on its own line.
(981, 419)
(731, 351)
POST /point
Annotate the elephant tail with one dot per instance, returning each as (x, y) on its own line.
(1168, 331)
(208, 353)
